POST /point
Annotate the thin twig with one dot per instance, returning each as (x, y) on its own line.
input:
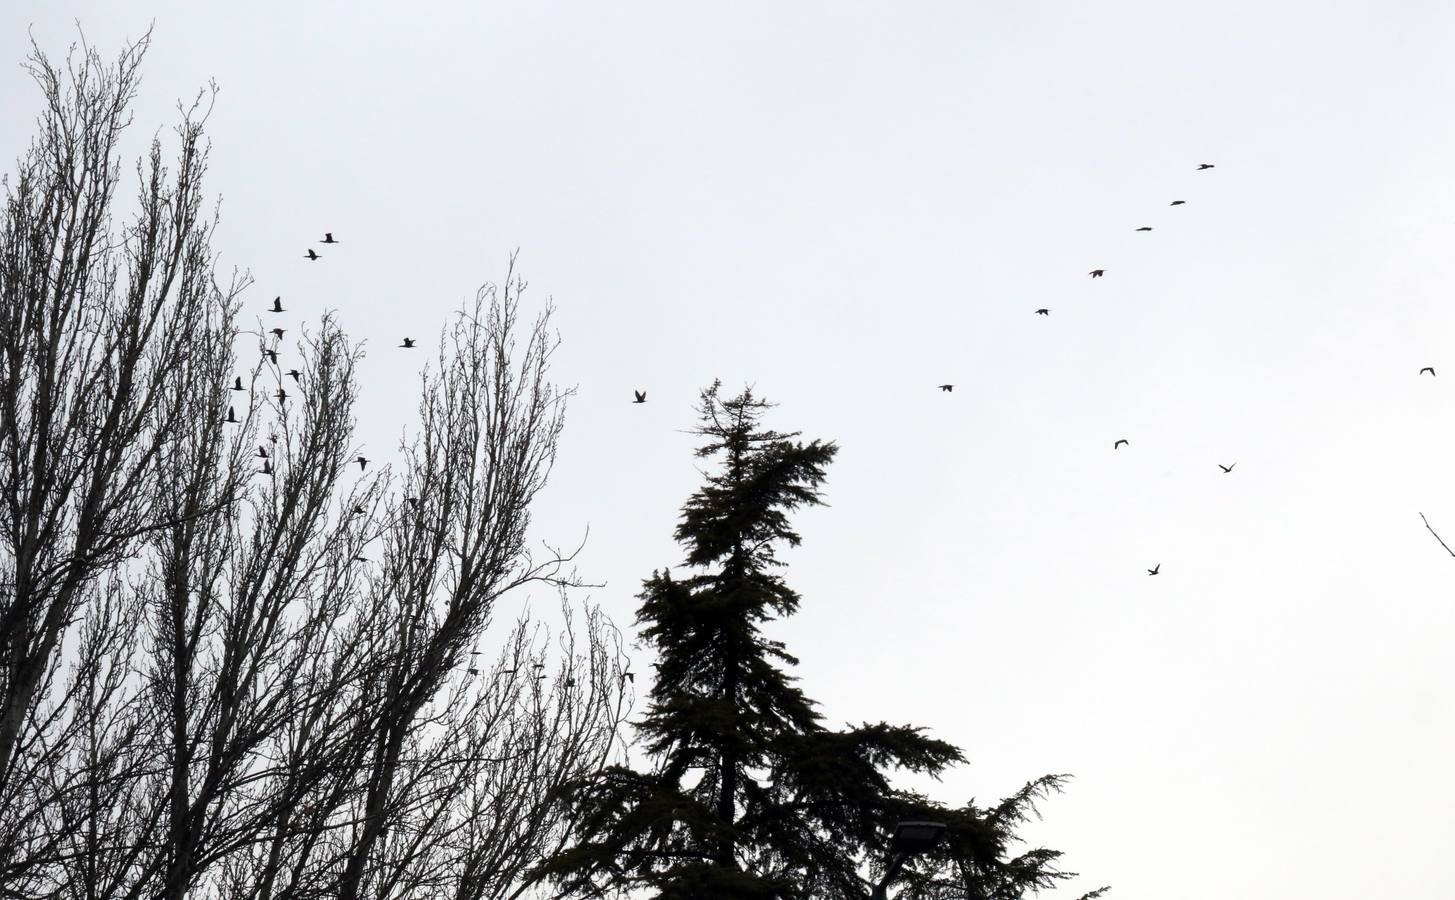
(1437, 537)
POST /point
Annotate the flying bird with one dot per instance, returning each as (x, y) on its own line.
(1119, 443)
(1043, 312)
(271, 354)
(1202, 166)
(1226, 469)
(413, 502)
(1145, 228)
(237, 384)
(629, 676)
(947, 388)
(277, 333)
(282, 395)
(267, 468)
(295, 373)
(408, 343)
(640, 395)
(359, 509)
(277, 304)
(262, 451)
(1429, 369)
(1155, 569)
(311, 255)
(328, 238)
(1097, 273)
(362, 462)
(1177, 202)
(231, 417)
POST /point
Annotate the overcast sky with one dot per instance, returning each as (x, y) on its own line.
(846, 204)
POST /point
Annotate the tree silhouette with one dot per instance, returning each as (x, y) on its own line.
(749, 795)
(233, 680)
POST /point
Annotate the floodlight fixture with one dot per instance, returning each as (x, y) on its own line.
(916, 837)
(909, 839)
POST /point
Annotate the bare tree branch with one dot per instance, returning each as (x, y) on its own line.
(1437, 536)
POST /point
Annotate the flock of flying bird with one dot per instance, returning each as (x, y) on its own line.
(271, 353)
(1123, 442)
(638, 396)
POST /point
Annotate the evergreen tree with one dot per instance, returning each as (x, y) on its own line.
(750, 797)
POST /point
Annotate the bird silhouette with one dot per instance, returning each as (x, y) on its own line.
(237, 384)
(271, 354)
(1097, 273)
(277, 304)
(471, 671)
(295, 373)
(641, 396)
(629, 676)
(413, 502)
(947, 388)
(262, 451)
(328, 238)
(231, 417)
(1202, 166)
(362, 462)
(1226, 469)
(277, 333)
(408, 343)
(1155, 569)
(1145, 228)
(1177, 202)
(267, 468)
(282, 395)
(1043, 312)
(1429, 369)
(362, 559)
(1119, 443)
(359, 509)
(570, 682)
(311, 255)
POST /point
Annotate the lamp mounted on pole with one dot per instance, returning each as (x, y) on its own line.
(910, 839)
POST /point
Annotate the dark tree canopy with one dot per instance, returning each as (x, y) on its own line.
(749, 795)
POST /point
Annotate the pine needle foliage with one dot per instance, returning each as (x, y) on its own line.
(749, 796)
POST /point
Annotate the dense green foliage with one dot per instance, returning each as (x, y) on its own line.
(749, 796)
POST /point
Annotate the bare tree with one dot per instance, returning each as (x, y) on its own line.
(96, 332)
(232, 664)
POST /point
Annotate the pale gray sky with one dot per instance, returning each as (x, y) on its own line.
(846, 204)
